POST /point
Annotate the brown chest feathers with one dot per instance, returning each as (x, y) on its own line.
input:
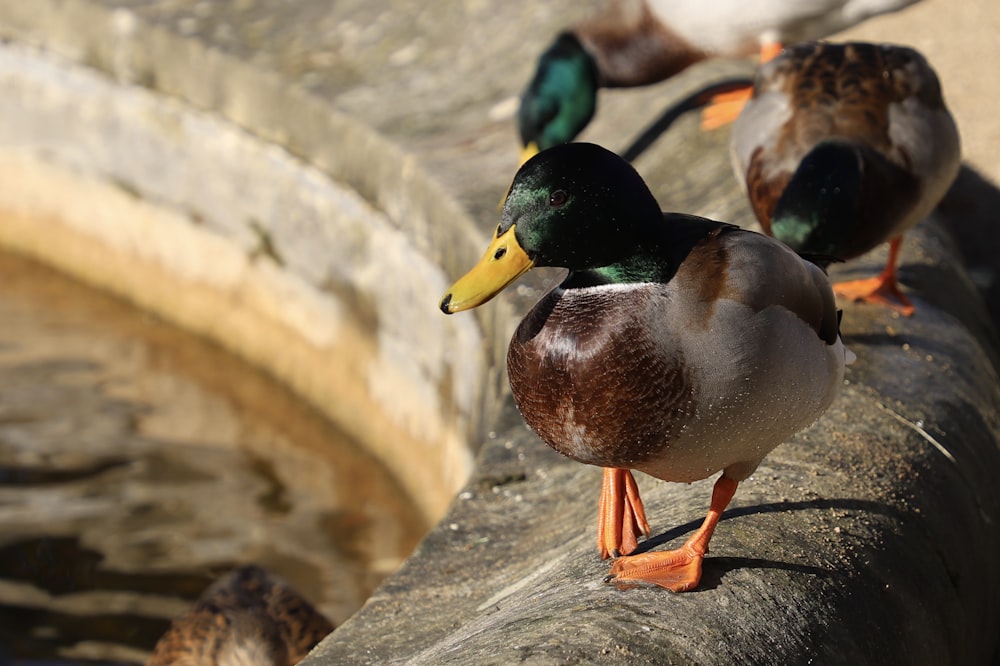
(592, 382)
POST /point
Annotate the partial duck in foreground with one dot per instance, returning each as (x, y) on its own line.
(247, 617)
(677, 346)
(640, 42)
(844, 147)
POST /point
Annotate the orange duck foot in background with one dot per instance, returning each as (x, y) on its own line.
(725, 108)
(882, 289)
(678, 570)
(621, 517)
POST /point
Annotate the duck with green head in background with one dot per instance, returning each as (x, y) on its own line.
(640, 42)
(844, 147)
(677, 345)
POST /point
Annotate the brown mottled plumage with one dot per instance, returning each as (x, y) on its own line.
(247, 617)
(629, 369)
(677, 346)
(844, 147)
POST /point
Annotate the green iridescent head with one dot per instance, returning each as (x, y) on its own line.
(561, 98)
(577, 206)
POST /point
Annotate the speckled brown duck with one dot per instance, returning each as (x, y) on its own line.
(640, 42)
(844, 147)
(677, 345)
(248, 617)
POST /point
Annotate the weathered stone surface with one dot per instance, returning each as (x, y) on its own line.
(871, 536)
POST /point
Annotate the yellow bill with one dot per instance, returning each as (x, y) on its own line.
(503, 262)
(528, 152)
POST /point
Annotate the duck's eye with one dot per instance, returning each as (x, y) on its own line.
(499, 253)
(558, 198)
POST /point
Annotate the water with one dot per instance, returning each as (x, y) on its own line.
(138, 463)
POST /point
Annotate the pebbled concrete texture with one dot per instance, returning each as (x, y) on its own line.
(872, 535)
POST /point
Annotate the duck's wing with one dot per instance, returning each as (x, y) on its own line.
(759, 272)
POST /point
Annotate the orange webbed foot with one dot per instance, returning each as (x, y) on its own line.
(724, 108)
(678, 570)
(883, 289)
(621, 517)
(876, 290)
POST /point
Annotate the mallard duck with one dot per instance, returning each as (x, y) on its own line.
(677, 345)
(844, 147)
(247, 617)
(640, 42)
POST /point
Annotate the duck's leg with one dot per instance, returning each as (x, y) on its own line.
(678, 570)
(882, 289)
(621, 517)
(725, 108)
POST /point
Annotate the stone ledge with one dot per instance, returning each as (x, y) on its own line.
(871, 537)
